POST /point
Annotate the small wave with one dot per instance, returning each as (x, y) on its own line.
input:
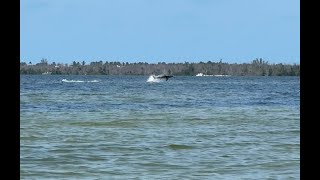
(65, 80)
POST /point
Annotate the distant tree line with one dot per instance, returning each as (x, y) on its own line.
(257, 67)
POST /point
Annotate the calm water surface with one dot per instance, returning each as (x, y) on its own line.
(121, 127)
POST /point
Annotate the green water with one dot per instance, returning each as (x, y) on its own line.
(121, 127)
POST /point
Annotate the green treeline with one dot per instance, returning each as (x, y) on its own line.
(257, 67)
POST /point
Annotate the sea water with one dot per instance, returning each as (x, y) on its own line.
(123, 127)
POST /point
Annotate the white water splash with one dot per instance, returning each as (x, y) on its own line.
(151, 79)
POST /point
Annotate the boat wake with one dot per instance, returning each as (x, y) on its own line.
(77, 81)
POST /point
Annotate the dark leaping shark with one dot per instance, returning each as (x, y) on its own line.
(162, 76)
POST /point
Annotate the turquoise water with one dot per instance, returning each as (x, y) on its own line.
(122, 127)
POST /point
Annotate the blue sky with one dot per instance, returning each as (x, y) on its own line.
(152, 31)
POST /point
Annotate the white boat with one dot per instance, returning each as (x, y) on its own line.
(218, 75)
(201, 74)
(46, 73)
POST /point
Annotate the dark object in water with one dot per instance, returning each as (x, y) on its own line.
(162, 76)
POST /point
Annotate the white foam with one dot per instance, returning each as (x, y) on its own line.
(65, 80)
